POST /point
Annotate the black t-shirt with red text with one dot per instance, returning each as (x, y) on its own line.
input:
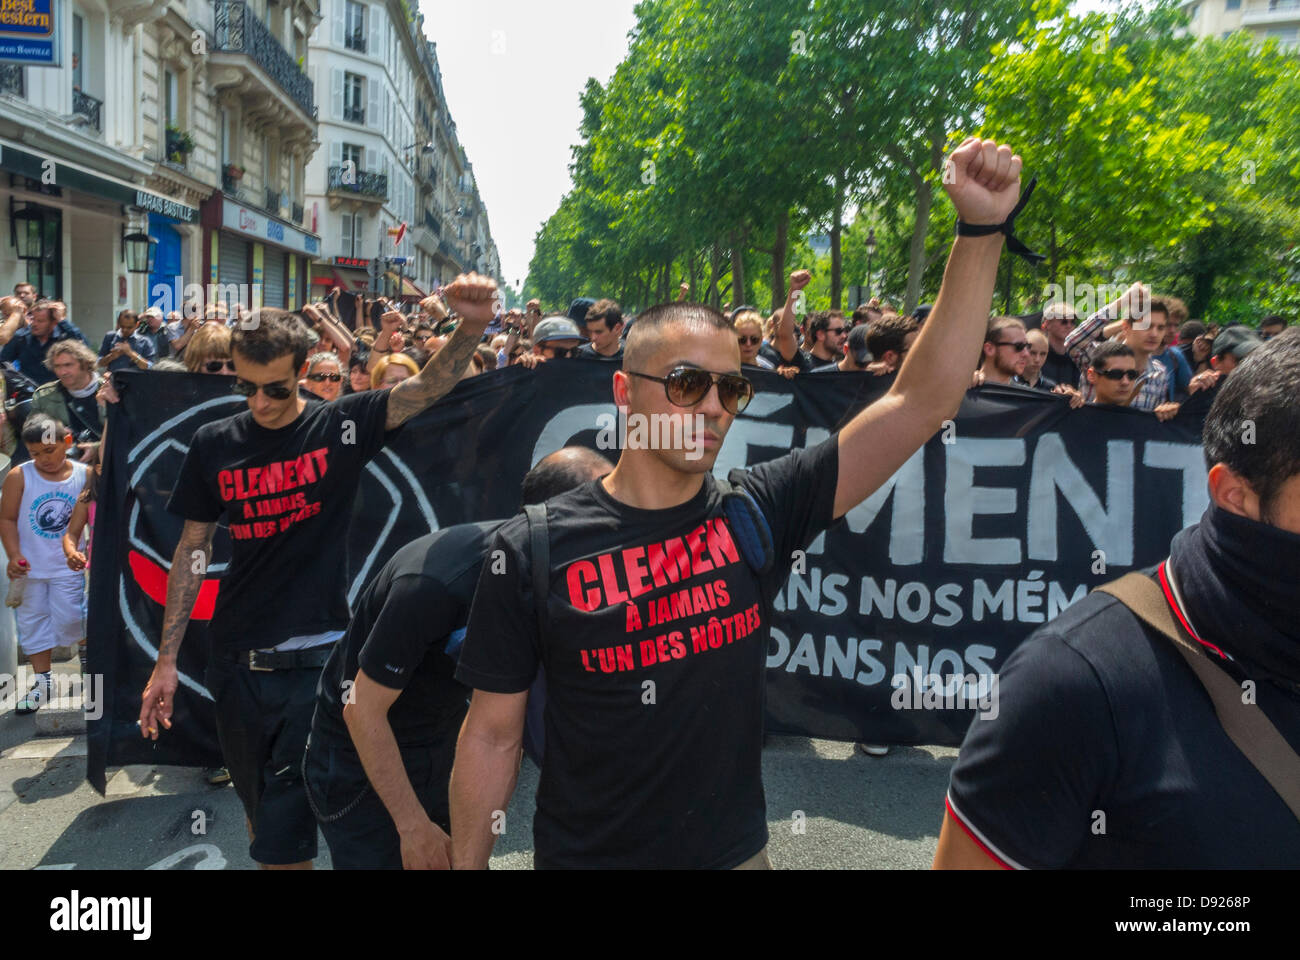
(286, 496)
(654, 652)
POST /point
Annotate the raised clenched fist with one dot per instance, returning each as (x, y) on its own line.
(472, 297)
(982, 178)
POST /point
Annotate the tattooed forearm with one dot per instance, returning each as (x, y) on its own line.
(438, 376)
(189, 564)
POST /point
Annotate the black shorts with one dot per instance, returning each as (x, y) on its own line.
(263, 718)
(358, 827)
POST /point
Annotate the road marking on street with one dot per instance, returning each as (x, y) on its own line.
(128, 780)
(213, 858)
(47, 748)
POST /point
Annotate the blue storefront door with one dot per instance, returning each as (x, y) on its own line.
(167, 265)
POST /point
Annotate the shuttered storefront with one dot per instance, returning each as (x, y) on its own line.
(232, 261)
(273, 277)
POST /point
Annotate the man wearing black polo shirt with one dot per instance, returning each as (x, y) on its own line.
(1107, 750)
(281, 475)
(655, 628)
(388, 707)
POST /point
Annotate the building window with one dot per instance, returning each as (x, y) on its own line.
(353, 152)
(78, 50)
(171, 97)
(1232, 5)
(1286, 37)
(352, 227)
(354, 27)
(354, 106)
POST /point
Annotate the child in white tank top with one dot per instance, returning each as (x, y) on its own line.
(35, 506)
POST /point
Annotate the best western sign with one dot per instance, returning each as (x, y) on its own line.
(27, 33)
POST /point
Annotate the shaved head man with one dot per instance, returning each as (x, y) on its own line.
(660, 580)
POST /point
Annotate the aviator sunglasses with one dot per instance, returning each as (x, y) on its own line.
(687, 386)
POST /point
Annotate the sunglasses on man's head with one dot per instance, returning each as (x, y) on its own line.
(1118, 375)
(216, 366)
(322, 377)
(688, 386)
(275, 391)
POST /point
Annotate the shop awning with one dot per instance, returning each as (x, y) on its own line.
(409, 290)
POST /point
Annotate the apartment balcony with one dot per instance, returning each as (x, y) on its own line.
(246, 57)
(1273, 13)
(11, 79)
(88, 108)
(433, 223)
(452, 253)
(365, 187)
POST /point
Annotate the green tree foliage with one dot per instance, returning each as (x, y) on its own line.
(734, 128)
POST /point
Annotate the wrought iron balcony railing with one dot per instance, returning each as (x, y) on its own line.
(432, 223)
(366, 184)
(237, 30)
(84, 105)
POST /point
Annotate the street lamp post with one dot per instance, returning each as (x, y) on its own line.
(871, 252)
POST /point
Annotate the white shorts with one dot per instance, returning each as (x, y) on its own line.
(51, 615)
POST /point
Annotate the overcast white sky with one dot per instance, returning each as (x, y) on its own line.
(512, 71)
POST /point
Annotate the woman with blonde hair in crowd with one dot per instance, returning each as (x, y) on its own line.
(209, 350)
(748, 325)
(392, 370)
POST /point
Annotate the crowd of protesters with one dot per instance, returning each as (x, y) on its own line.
(390, 775)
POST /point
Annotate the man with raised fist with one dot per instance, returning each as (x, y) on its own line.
(652, 624)
(280, 475)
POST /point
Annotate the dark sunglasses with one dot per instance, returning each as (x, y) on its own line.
(1019, 346)
(561, 353)
(322, 377)
(216, 366)
(749, 340)
(835, 329)
(275, 391)
(1118, 374)
(688, 386)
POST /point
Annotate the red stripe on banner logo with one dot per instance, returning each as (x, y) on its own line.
(152, 579)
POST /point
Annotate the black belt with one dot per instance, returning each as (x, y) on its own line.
(264, 661)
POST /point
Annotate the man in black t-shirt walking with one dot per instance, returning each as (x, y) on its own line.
(280, 475)
(388, 707)
(654, 630)
(1106, 750)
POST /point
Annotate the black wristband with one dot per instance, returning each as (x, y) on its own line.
(1007, 227)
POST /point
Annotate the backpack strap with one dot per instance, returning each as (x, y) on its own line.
(540, 550)
(1245, 724)
(748, 525)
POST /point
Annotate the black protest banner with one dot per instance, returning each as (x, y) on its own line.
(1015, 509)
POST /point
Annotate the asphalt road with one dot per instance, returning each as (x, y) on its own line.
(829, 807)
